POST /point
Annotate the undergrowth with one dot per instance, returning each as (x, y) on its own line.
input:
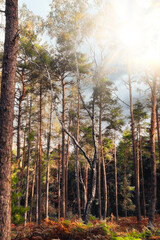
(125, 229)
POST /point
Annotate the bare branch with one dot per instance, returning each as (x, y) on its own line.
(2, 11)
(122, 101)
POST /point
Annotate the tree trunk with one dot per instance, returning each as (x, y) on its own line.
(59, 183)
(67, 161)
(93, 165)
(37, 187)
(19, 120)
(63, 149)
(153, 157)
(86, 186)
(105, 184)
(28, 163)
(7, 115)
(24, 158)
(100, 157)
(77, 159)
(48, 158)
(142, 180)
(40, 160)
(136, 163)
(125, 182)
(115, 176)
(32, 193)
(158, 130)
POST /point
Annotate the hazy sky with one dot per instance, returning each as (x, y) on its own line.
(38, 7)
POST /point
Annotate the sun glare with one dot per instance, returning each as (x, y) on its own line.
(135, 26)
(129, 36)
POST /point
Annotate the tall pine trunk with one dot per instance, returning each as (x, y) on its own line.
(7, 115)
(100, 157)
(32, 192)
(136, 163)
(48, 158)
(158, 130)
(86, 185)
(115, 176)
(142, 179)
(59, 182)
(28, 163)
(93, 165)
(19, 120)
(105, 184)
(77, 159)
(63, 150)
(67, 162)
(40, 159)
(153, 157)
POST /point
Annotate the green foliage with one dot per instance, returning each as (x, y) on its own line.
(17, 212)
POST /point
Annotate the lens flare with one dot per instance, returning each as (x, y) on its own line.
(134, 27)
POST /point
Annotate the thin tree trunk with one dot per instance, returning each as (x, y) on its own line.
(153, 157)
(93, 166)
(125, 182)
(32, 193)
(77, 159)
(24, 158)
(158, 130)
(142, 179)
(86, 185)
(28, 163)
(63, 149)
(100, 157)
(19, 132)
(48, 158)
(19, 120)
(67, 161)
(115, 176)
(40, 160)
(7, 115)
(136, 163)
(59, 183)
(37, 181)
(105, 184)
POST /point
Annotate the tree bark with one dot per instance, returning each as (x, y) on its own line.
(153, 157)
(7, 115)
(115, 176)
(86, 186)
(77, 159)
(142, 179)
(28, 163)
(48, 158)
(100, 157)
(59, 183)
(67, 161)
(136, 163)
(24, 158)
(158, 130)
(63, 149)
(32, 193)
(93, 165)
(105, 184)
(40, 160)
(19, 120)
(125, 182)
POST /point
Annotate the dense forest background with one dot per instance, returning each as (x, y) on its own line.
(86, 138)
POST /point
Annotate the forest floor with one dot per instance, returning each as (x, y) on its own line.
(126, 228)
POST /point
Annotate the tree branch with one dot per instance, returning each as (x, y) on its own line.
(2, 11)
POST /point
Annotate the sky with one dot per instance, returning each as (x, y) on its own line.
(38, 7)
